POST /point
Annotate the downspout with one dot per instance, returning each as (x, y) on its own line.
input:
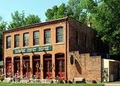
(66, 46)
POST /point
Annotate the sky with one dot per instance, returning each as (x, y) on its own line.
(36, 7)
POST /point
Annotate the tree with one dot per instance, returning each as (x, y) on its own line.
(103, 14)
(31, 19)
(19, 20)
(2, 28)
(56, 12)
(76, 9)
(107, 23)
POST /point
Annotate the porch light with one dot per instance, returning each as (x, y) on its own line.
(21, 52)
(32, 52)
(45, 51)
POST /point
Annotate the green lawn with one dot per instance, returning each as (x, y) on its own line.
(21, 84)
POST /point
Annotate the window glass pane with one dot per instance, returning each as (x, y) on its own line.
(47, 37)
(16, 43)
(36, 38)
(26, 39)
(8, 42)
(59, 34)
(77, 38)
(36, 34)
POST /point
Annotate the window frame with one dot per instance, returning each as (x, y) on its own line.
(77, 37)
(15, 41)
(34, 38)
(86, 41)
(47, 37)
(8, 43)
(24, 39)
(58, 35)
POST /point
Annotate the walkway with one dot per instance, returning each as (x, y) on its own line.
(117, 83)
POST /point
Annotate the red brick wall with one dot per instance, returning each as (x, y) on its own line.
(83, 31)
(85, 66)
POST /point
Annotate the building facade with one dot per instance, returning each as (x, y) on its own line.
(44, 49)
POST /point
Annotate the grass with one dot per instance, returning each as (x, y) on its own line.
(21, 84)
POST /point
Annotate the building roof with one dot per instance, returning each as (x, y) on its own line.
(37, 25)
(42, 24)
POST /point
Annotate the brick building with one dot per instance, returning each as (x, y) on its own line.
(51, 49)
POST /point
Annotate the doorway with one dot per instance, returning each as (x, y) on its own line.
(36, 66)
(59, 66)
(17, 66)
(47, 66)
(26, 66)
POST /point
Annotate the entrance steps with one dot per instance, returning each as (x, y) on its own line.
(8, 79)
(42, 81)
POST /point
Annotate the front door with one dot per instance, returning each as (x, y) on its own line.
(36, 68)
(47, 67)
(60, 68)
(9, 69)
(26, 68)
(17, 67)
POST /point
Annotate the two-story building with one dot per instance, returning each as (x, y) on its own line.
(44, 49)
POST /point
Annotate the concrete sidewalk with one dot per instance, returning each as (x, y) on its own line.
(117, 83)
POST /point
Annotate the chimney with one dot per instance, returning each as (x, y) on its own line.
(89, 24)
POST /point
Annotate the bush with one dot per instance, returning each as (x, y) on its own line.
(94, 81)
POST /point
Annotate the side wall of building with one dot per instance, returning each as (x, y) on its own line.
(84, 66)
(85, 42)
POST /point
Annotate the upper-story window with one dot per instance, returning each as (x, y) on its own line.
(35, 37)
(86, 41)
(77, 37)
(16, 40)
(25, 39)
(8, 42)
(59, 34)
(47, 36)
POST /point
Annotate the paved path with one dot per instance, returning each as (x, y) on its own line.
(113, 84)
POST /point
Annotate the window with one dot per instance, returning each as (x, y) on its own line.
(47, 37)
(8, 42)
(86, 42)
(36, 38)
(25, 39)
(59, 34)
(16, 40)
(77, 37)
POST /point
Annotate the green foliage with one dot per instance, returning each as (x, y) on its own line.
(2, 28)
(103, 14)
(56, 12)
(106, 22)
(19, 20)
(31, 19)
